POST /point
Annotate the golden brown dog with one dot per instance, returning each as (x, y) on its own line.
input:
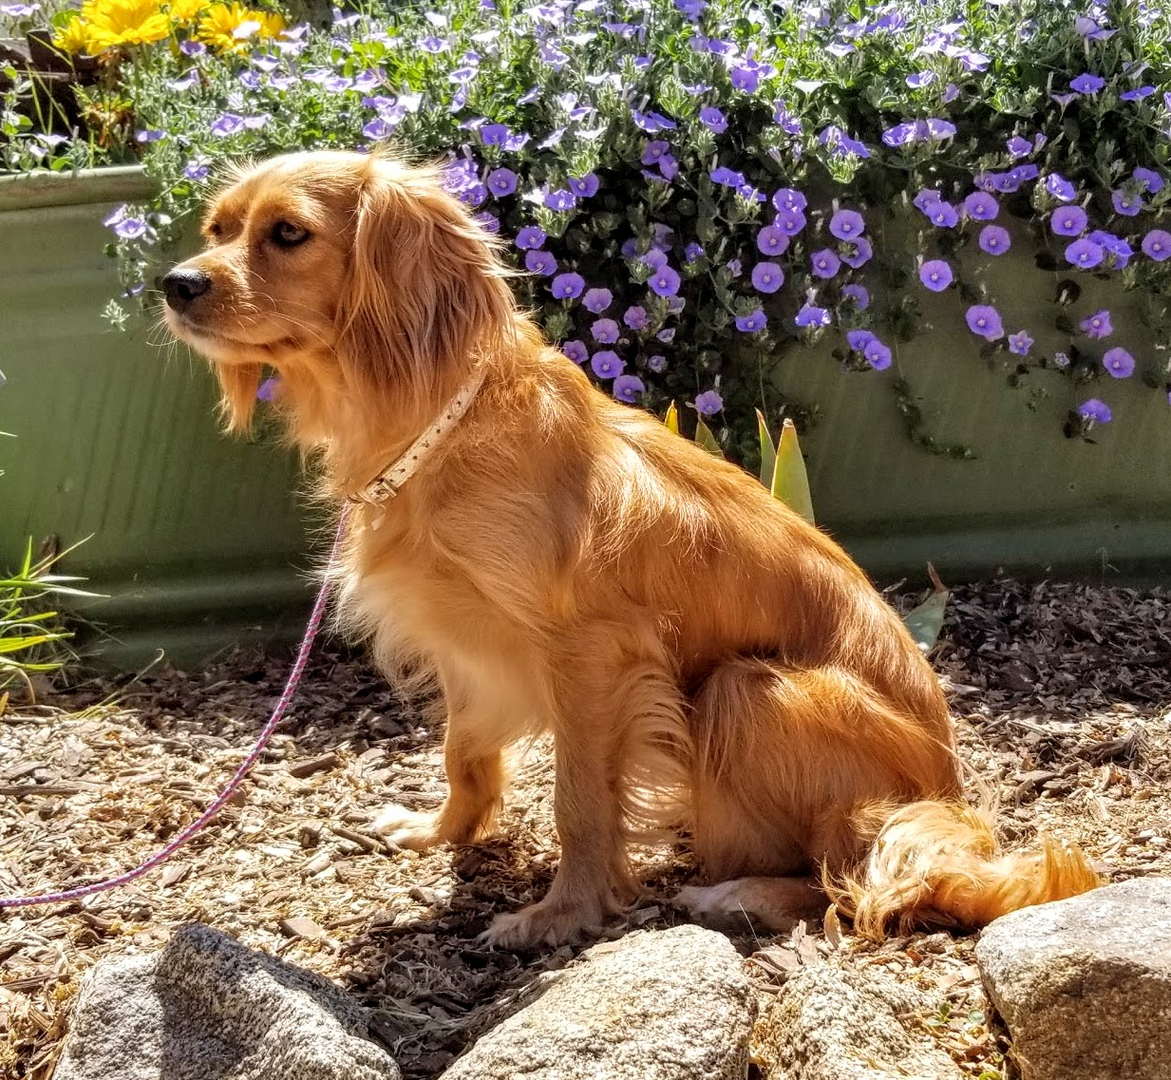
(561, 562)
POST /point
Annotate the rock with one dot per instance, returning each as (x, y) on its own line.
(207, 1008)
(836, 1024)
(1084, 984)
(656, 1005)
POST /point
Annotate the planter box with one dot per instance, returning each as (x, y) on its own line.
(196, 539)
(1032, 502)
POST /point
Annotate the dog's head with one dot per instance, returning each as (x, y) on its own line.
(346, 273)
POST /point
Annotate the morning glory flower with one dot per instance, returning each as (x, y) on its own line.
(1097, 325)
(727, 177)
(772, 240)
(693, 252)
(654, 150)
(858, 253)
(197, 170)
(920, 79)
(859, 339)
(541, 263)
(789, 199)
(1020, 343)
(1157, 245)
(767, 277)
(708, 403)
(1150, 180)
(1126, 204)
(925, 198)
(943, 214)
(994, 240)
(824, 263)
(605, 330)
(501, 182)
(847, 224)
(1097, 412)
(628, 387)
(1061, 359)
(1018, 147)
(877, 354)
(1137, 94)
(1084, 254)
(636, 318)
(607, 364)
(1059, 187)
(1069, 221)
(752, 322)
(561, 199)
(936, 275)
(597, 300)
(980, 206)
(858, 294)
(1114, 246)
(576, 351)
(665, 281)
(984, 320)
(227, 124)
(657, 363)
(789, 222)
(713, 119)
(811, 315)
(1087, 84)
(567, 286)
(130, 228)
(585, 187)
(1119, 363)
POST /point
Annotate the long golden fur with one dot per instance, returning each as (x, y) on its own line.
(703, 657)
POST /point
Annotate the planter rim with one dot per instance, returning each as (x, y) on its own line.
(113, 183)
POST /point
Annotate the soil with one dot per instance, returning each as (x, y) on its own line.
(1060, 694)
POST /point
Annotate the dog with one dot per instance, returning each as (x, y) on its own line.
(705, 660)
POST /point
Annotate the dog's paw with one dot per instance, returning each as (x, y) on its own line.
(543, 924)
(407, 828)
(733, 906)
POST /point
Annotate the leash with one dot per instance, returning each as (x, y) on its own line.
(242, 770)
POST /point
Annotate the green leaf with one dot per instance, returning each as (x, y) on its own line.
(672, 418)
(768, 451)
(926, 621)
(706, 440)
(790, 480)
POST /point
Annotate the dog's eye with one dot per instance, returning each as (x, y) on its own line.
(286, 234)
(216, 229)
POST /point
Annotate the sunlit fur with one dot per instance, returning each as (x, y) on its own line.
(703, 657)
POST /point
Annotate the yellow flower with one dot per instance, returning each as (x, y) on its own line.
(185, 12)
(123, 22)
(73, 37)
(230, 27)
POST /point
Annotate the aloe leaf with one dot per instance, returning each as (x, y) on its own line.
(926, 621)
(706, 440)
(768, 451)
(790, 480)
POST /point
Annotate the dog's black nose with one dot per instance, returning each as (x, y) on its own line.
(182, 286)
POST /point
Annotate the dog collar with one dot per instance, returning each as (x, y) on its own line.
(386, 484)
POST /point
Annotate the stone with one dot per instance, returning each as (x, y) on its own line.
(207, 1008)
(831, 1023)
(1084, 985)
(655, 1005)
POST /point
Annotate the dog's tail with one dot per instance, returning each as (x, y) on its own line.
(937, 863)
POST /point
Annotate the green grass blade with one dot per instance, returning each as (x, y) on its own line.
(768, 451)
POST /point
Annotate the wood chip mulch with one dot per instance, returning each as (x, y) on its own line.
(1061, 695)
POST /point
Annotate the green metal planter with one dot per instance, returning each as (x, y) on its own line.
(196, 539)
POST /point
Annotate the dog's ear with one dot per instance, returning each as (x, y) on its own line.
(239, 384)
(425, 292)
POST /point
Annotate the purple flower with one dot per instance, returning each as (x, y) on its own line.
(1157, 244)
(607, 364)
(1097, 412)
(628, 387)
(501, 182)
(858, 294)
(767, 277)
(1018, 147)
(576, 351)
(746, 78)
(192, 48)
(531, 236)
(1059, 187)
(540, 263)
(1020, 343)
(1061, 359)
(984, 320)
(227, 124)
(268, 389)
(1114, 245)
(693, 252)
(824, 263)
(197, 170)
(943, 214)
(980, 206)
(664, 281)
(636, 318)
(567, 286)
(1069, 221)
(935, 275)
(597, 300)
(130, 228)
(811, 315)
(712, 118)
(772, 240)
(1119, 363)
(877, 354)
(654, 150)
(727, 177)
(1126, 204)
(560, 199)
(494, 134)
(605, 330)
(1084, 254)
(708, 403)
(1097, 325)
(859, 339)
(752, 322)
(858, 254)
(790, 221)
(1149, 179)
(789, 199)
(920, 79)
(585, 187)
(925, 198)
(1087, 84)
(847, 225)
(1137, 94)
(735, 267)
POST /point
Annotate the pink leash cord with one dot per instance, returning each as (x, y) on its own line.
(278, 714)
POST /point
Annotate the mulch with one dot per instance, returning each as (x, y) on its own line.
(1060, 693)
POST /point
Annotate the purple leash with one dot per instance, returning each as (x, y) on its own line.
(278, 714)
